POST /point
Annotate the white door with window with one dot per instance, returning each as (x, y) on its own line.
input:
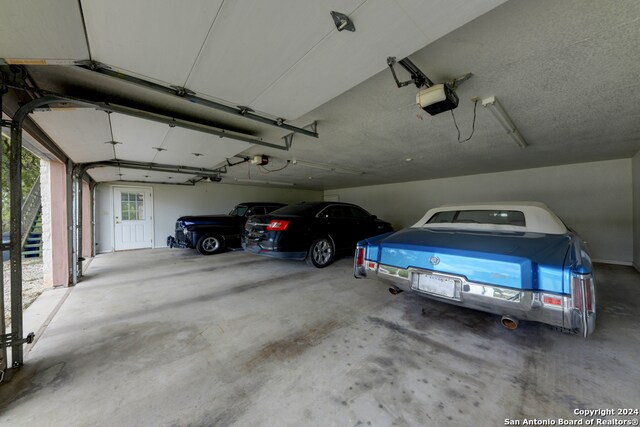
(133, 216)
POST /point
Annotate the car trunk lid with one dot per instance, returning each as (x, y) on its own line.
(515, 260)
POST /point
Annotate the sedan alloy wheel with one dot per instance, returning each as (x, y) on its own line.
(321, 253)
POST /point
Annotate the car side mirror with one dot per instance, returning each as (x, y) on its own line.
(373, 217)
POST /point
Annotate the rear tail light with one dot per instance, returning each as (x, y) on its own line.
(278, 225)
(583, 292)
(359, 256)
(583, 297)
(358, 263)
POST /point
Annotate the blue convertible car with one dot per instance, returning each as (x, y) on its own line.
(517, 260)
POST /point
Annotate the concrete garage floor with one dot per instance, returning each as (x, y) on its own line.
(167, 337)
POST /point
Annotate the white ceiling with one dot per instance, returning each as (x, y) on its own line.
(41, 29)
(566, 72)
(108, 174)
(87, 135)
(83, 132)
(265, 54)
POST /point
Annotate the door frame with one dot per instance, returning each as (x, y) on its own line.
(113, 214)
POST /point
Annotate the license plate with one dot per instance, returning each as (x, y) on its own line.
(435, 285)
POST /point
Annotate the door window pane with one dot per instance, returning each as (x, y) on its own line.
(132, 206)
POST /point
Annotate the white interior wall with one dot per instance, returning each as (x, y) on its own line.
(595, 199)
(636, 210)
(173, 201)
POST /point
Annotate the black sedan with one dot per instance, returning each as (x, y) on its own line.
(314, 231)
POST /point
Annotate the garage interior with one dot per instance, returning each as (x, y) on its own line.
(180, 103)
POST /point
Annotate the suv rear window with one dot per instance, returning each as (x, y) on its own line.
(495, 217)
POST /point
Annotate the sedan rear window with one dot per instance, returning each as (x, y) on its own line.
(298, 209)
(238, 211)
(494, 217)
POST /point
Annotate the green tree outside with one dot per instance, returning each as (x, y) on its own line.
(30, 173)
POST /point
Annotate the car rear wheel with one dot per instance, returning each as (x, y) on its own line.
(209, 245)
(321, 253)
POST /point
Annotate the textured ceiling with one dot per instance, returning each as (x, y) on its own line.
(566, 72)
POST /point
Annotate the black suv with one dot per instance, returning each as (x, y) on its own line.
(210, 234)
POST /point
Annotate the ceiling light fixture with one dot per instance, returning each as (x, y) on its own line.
(325, 167)
(342, 21)
(503, 118)
(260, 181)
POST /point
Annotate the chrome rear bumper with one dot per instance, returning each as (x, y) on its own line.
(517, 303)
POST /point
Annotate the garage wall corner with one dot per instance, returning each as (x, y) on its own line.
(636, 210)
(595, 199)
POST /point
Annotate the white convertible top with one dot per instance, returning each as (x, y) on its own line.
(538, 218)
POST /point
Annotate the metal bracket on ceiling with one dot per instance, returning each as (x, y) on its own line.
(417, 76)
(12, 74)
(182, 91)
(288, 139)
(243, 110)
(92, 65)
(455, 82)
(244, 160)
(342, 21)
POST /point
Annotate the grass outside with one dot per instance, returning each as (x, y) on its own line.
(32, 284)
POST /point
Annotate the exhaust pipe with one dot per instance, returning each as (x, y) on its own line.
(394, 290)
(509, 323)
